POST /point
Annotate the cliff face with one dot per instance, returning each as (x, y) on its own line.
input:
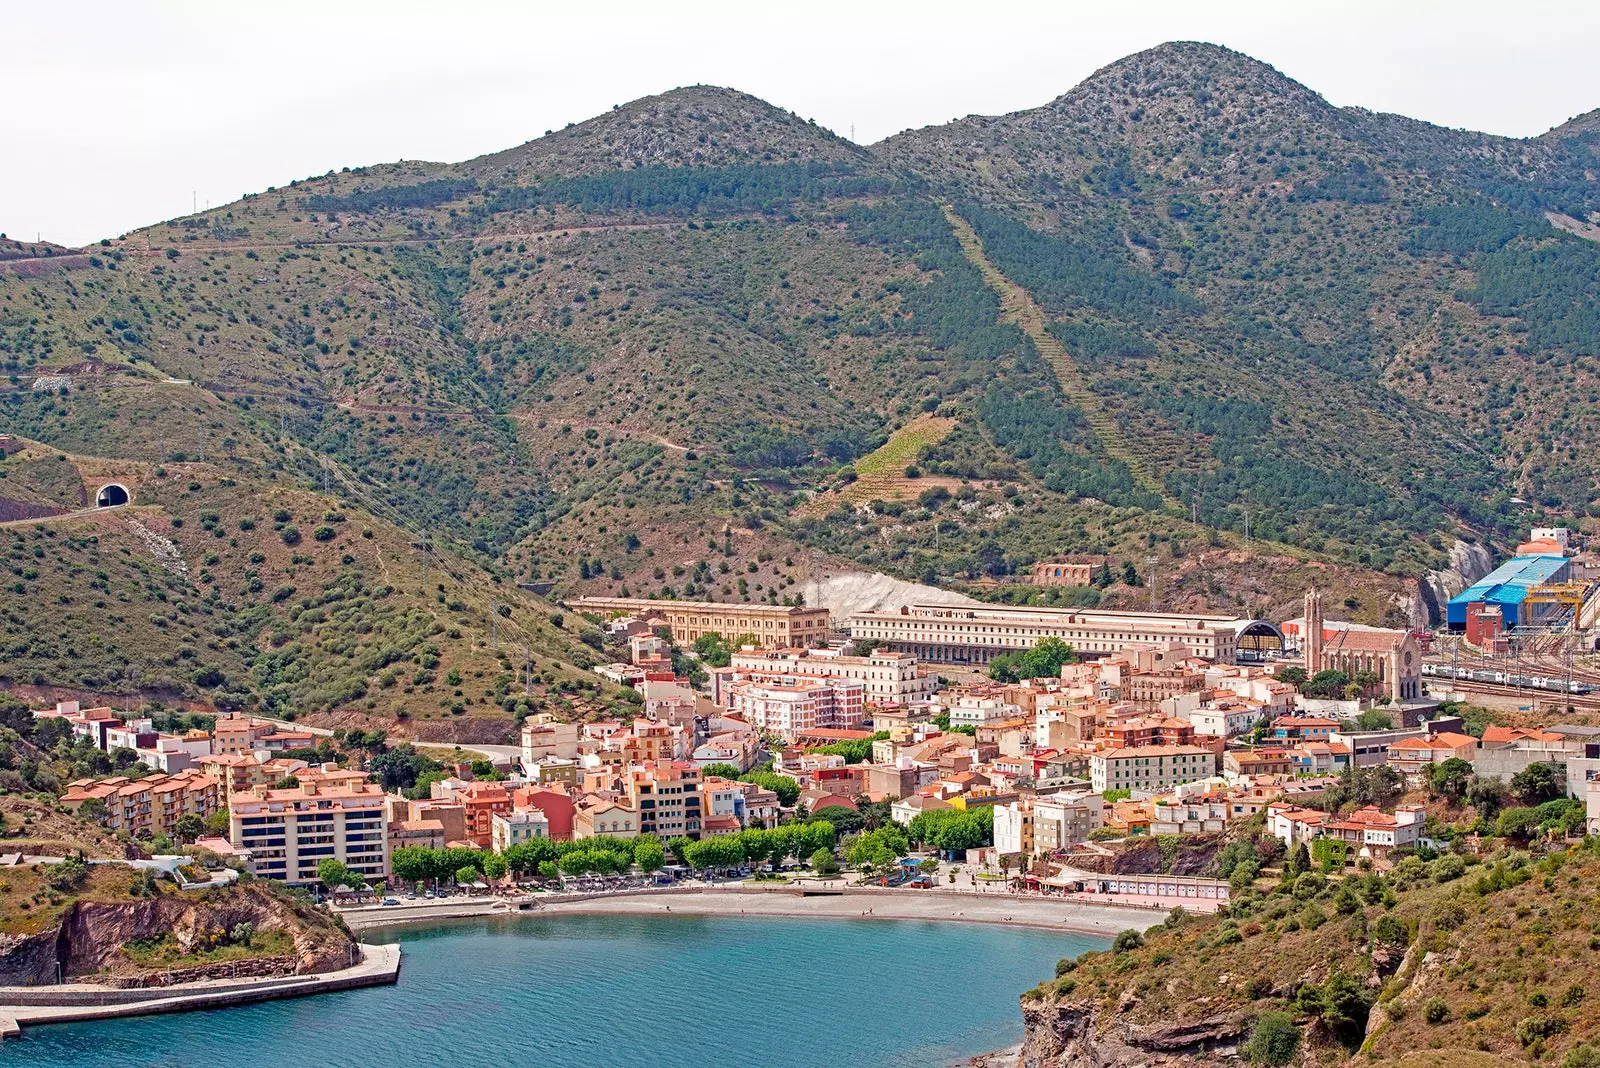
(1468, 564)
(1066, 1034)
(88, 936)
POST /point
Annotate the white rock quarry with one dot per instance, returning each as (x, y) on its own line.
(846, 592)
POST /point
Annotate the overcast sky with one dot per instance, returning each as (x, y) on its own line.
(118, 112)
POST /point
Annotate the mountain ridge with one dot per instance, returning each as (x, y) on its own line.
(656, 363)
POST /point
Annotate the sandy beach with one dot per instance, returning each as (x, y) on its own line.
(1052, 913)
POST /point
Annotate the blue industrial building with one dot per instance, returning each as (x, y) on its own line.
(1506, 587)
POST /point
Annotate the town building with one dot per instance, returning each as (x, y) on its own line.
(666, 796)
(1248, 763)
(546, 738)
(507, 829)
(976, 634)
(148, 807)
(772, 626)
(1150, 768)
(557, 802)
(886, 677)
(598, 817)
(1414, 756)
(796, 704)
(290, 831)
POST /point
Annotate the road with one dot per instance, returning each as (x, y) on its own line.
(496, 753)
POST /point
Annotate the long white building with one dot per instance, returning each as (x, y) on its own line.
(888, 677)
(976, 634)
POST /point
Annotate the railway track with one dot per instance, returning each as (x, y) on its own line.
(1535, 698)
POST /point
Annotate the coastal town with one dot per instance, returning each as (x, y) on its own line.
(983, 749)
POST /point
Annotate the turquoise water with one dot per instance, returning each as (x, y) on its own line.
(622, 992)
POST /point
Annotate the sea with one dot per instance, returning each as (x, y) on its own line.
(621, 992)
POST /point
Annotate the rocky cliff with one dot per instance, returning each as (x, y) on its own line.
(1468, 564)
(1062, 1033)
(86, 938)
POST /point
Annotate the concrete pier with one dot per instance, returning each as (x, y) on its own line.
(71, 1002)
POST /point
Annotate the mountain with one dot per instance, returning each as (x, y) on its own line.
(701, 347)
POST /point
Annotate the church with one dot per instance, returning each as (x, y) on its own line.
(1392, 655)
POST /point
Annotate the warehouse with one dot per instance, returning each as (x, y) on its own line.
(1506, 587)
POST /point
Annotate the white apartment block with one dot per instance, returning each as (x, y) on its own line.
(969, 710)
(289, 832)
(545, 738)
(1222, 719)
(1046, 824)
(1150, 767)
(794, 704)
(887, 677)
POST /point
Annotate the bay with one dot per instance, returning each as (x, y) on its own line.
(622, 992)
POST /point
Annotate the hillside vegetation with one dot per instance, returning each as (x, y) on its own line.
(1458, 957)
(649, 351)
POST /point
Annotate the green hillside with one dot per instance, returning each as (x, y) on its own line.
(645, 352)
(1445, 962)
(263, 597)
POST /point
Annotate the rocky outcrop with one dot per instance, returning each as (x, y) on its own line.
(1066, 1034)
(88, 937)
(1468, 564)
(1194, 855)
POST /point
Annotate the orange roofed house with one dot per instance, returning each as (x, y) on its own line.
(1374, 833)
(1413, 756)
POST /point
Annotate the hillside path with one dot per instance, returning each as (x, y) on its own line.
(1018, 306)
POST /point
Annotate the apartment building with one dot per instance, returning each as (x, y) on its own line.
(887, 677)
(546, 738)
(666, 795)
(148, 807)
(796, 704)
(236, 735)
(1150, 768)
(507, 829)
(290, 831)
(773, 626)
(603, 818)
(1148, 689)
(976, 634)
(978, 709)
(480, 801)
(1046, 823)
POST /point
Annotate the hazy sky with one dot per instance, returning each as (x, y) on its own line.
(117, 110)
